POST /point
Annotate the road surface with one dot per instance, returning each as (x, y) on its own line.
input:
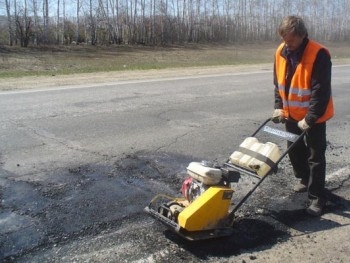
(78, 163)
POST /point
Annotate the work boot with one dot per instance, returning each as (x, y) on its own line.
(316, 207)
(301, 186)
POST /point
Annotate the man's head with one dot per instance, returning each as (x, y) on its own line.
(293, 31)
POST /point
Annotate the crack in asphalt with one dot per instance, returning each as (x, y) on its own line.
(46, 136)
(176, 139)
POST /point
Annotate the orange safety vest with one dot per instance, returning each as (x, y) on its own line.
(298, 101)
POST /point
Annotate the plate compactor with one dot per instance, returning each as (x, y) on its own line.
(205, 208)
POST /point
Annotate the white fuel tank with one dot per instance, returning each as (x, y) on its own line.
(236, 156)
(255, 156)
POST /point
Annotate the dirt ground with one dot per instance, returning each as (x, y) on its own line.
(324, 239)
(39, 82)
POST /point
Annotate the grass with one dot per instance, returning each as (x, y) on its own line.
(48, 61)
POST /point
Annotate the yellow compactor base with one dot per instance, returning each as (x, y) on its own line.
(207, 210)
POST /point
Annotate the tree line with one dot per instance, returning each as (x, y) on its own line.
(162, 22)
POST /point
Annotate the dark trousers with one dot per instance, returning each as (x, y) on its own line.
(308, 158)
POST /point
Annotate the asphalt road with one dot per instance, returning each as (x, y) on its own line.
(79, 163)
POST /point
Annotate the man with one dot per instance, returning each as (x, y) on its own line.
(302, 79)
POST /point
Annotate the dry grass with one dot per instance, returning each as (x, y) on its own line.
(26, 67)
(17, 62)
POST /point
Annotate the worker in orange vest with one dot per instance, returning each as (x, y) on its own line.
(302, 79)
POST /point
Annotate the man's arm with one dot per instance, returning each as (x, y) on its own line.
(320, 87)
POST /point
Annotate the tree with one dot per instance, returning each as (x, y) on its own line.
(92, 24)
(58, 23)
(46, 20)
(23, 25)
(158, 22)
(36, 21)
(9, 20)
(78, 22)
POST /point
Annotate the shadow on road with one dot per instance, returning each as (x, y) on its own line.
(299, 220)
(248, 233)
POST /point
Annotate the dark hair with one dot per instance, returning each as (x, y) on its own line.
(292, 24)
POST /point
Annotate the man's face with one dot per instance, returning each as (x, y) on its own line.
(292, 41)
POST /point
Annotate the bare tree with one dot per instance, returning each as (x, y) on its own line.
(58, 23)
(46, 20)
(92, 24)
(78, 22)
(23, 25)
(142, 22)
(167, 21)
(9, 20)
(36, 21)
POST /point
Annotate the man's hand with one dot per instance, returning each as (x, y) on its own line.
(303, 125)
(277, 116)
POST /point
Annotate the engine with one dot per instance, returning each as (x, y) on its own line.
(191, 189)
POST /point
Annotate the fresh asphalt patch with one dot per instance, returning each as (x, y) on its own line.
(91, 199)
